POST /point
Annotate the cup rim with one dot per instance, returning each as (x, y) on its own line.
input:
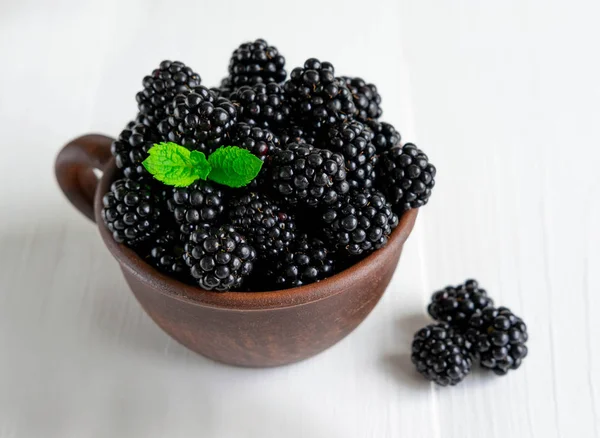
(261, 300)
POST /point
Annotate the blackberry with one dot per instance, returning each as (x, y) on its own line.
(366, 98)
(317, 97)
(455, 305)
(256, 62)
(406, 176)
(219, 258)
(498, 338)
(354, 141)
(198, 120)
(165, 253)
(386, 136)
(131, 148)
(308, 175)
(361, 223)
(307, 261)
(261, 142)
(267, 227)
(131, 211)
(441, 354)
(296, 134)
(165, 82)
(199, 203)
(262, 105)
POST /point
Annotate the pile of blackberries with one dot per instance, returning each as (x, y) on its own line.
(334, 180)
(469, 327)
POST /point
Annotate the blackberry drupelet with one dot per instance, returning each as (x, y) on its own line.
(406, 176)
(296, 134)
(498, 337)
(304, 174)
(386, 136)
(165, 82)
(317, 97)
(131, 149)
(256, 62)
(441, 354)
(196, 205)
(366, 98)
(263, 105)
(359, 223)
(268, 228)
(261, 142)
(198, 120)
(354, 141)
(456, 305)
(308, 260)
(131, 211)
(165, 253)
(224, 89)
(219, 258)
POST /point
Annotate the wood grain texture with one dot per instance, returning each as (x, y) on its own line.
(503, 97)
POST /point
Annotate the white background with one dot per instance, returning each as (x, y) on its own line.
(503, 96)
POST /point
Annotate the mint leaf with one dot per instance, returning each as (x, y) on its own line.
(233, 166)
(175, 165)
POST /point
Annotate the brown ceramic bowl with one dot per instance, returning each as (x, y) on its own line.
(254, 329)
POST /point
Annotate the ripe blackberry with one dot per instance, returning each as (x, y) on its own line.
(354, 141)
(386, 136)
(219, 258)
(308, 175)
(131, 211)
(296, 134)
(261, 142)
(441, 354)
(406, 177)
(360, 223)
(131, 148)
(317, 97)
(498, 337)
(366, 98)
(165, 253)
(262, 105)
(308, 260)
(267, 227)
(165, 82)
(199, 203)
(256, 62)
(198, 120)
(456, 305)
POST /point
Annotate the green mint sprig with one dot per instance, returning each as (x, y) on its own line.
(177, 166)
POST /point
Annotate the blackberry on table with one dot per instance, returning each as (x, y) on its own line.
(406, 176)
(304, 174)
(219, 258)
(198, 204)
(131, 149)
(441, 354)
(268, 228)
(366, 98)
(198, 120)
(165, 82)
(354, 141)
(165, 253)
(262, 105)
(456, 305)
(256, 62)
(131, 211)
(498, 337)
(308, 260)
(386, 136)
(359, 223)
(317, 97)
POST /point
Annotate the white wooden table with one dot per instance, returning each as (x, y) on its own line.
(504, 97)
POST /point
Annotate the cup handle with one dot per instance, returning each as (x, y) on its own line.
(74, 169)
